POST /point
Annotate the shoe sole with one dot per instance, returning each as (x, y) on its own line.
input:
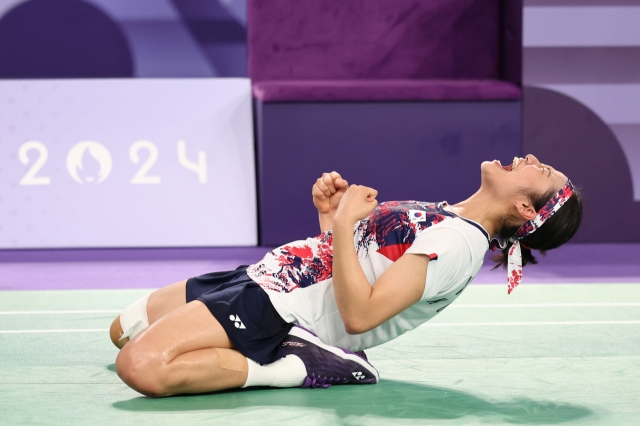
(310, 337)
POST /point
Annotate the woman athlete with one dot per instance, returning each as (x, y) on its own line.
(375, 272)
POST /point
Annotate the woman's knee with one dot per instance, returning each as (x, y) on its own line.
(132, 320)
(141, 371)
(145, 311)
(115, 332)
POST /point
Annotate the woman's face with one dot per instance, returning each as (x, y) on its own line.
(526, 174)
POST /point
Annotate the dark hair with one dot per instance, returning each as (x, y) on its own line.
(556, 231)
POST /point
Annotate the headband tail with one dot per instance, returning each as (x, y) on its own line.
(514, 266)
(529, 227)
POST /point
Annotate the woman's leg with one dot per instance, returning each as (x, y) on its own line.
(160, 303)
(188, 351)
(183, 351)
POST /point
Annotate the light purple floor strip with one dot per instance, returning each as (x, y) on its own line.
(115, 268)
(153, 268)
(577, 263)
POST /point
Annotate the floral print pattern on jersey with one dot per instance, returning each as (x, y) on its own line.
(390, 229)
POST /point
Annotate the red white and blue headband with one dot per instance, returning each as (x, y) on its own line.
(514, 260)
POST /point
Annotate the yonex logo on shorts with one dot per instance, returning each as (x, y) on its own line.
(236, 320)
(358, 375)
(298, 344)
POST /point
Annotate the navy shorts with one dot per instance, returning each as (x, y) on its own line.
(245, 312)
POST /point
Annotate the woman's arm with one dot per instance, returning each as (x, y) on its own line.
(327, 192)
(363, 307)
(326, 220)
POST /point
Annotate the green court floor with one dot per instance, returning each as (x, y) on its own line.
(547, 354)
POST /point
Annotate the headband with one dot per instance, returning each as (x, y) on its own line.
(514, 260)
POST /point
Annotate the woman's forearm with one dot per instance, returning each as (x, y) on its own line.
(326, 220)
(351, 287)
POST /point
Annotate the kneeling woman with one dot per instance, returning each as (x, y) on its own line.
(374, 273)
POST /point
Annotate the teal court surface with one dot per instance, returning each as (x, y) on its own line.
(546, 354)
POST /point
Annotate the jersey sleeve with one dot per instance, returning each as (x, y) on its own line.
(450, 259)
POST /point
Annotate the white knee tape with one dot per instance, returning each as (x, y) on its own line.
(134, 318)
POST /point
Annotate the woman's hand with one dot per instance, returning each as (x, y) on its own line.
(356, 204)
(328, 191)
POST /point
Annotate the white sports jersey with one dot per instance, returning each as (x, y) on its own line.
(297, 276)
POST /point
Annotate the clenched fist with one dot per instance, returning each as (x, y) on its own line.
(328, 191)
(358, 201)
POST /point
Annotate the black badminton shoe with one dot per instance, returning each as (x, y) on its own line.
(327, 365)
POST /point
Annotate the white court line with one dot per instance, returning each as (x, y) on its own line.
(540, 305)
(441, 324)
(103, 311)
(76, 330)
(453, 306)
(534, 323)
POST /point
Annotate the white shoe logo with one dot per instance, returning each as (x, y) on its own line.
(236, 320)
(358, 375)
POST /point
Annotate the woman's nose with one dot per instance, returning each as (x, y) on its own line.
(531, 159)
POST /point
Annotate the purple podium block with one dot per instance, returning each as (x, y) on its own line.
(405, 96)
(428, 151)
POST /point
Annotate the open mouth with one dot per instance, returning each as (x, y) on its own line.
(513, 165)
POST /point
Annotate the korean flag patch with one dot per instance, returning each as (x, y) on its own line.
(416, 216)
